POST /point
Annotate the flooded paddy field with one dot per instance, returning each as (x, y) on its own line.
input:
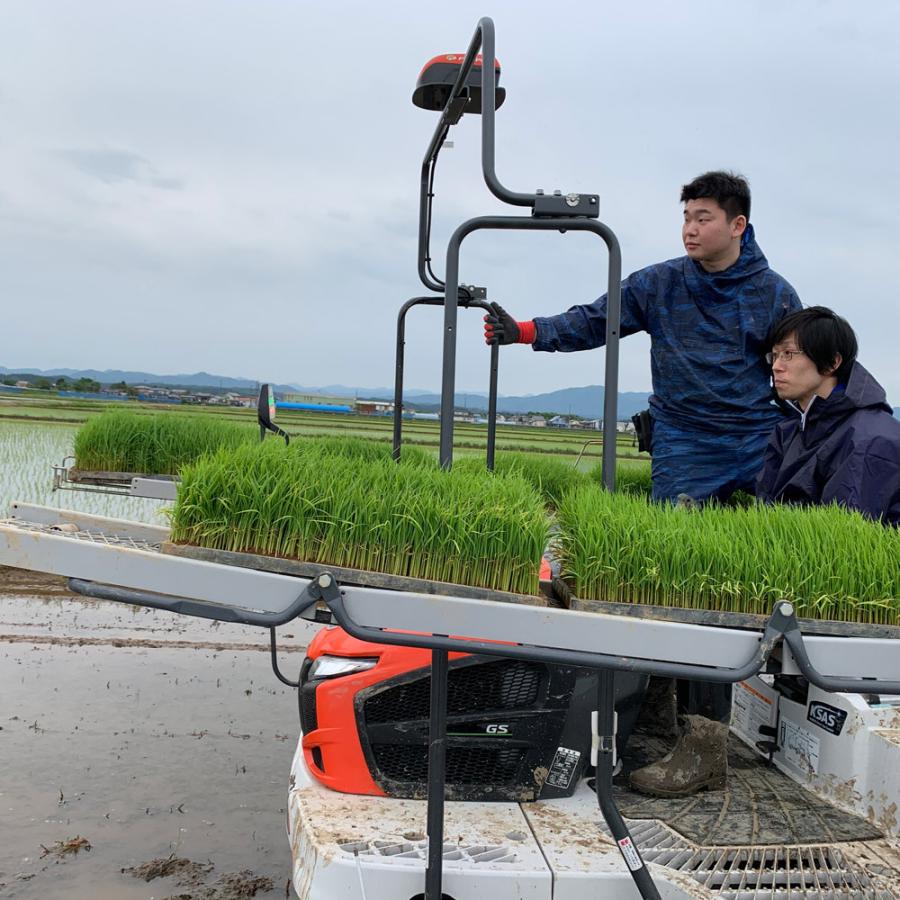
(29, 450)
(559, 443)
(137, 744)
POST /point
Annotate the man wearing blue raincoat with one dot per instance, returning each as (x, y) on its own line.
(708, 315)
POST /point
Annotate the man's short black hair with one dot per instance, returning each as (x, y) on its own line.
(821, 334)
(730, 191)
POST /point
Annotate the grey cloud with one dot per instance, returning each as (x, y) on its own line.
(111, 166)
(300, 178)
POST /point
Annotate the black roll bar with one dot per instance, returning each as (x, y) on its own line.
(466, 303)
(575, 212)
(573, 204)
(613, 316)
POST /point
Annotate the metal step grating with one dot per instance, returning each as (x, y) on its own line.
(94, 537)
(415, 852)
(811, 872)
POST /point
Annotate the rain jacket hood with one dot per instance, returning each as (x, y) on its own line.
(752, 261)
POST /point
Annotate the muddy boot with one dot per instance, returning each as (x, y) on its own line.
(699, 761)
(659, 711)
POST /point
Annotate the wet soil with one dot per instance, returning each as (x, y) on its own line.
(132, 740)
(20, 582)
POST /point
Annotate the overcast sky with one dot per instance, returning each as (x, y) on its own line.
(233, 186)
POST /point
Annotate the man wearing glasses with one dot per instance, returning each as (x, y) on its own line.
(840, 442)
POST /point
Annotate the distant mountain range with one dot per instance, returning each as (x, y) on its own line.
(585, 402)
(113, 376)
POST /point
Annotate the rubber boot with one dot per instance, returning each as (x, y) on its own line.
(698, 762)
(659, 711)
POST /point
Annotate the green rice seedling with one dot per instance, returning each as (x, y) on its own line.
(552, 478)
(161, 443)
(632, 477)
(154, 443)
(369, 449)
(311, 503)
(830, 562)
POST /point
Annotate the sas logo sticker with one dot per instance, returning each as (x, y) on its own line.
(827, 717)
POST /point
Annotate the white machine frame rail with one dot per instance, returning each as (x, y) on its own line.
(122, 561)
(125, 484)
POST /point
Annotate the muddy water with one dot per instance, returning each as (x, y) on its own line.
(149, 735)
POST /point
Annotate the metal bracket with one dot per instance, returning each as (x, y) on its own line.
(323, 588)
(475, 294)
(153, 487)
(455, 108)
(557, 204)
(602, 743)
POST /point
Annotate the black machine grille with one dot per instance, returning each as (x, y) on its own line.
(501, 685)
(308, 718)
(465, 765)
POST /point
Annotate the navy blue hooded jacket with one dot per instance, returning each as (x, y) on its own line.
(708, 332)
(846, 450)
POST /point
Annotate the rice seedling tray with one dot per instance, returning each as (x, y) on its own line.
(104, 553)
(562, 593)
(132, 484)
(112, 479)
(344, 575)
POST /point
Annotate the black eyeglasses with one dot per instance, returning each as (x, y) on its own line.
(786, 355)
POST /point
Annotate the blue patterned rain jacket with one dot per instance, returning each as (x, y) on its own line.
(708, 332)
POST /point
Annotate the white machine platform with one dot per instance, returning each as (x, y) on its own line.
(559, 849)
(373, 847)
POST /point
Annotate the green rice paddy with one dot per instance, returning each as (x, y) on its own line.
(556, 443)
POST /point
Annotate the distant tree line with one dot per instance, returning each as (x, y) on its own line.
(83, 385)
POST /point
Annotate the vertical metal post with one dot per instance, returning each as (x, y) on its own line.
(398, 382)
(448, 378)
(398, 374)
(611, 380)
(437, 756)
(492, 407)
(607, 737)
(488, 105)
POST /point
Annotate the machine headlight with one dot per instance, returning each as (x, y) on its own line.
(333, 666)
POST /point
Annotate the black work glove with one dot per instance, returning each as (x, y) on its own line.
(500, 327)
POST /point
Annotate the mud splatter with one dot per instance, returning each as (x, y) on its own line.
(193, 875)
(185, 872)
(71, 847)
